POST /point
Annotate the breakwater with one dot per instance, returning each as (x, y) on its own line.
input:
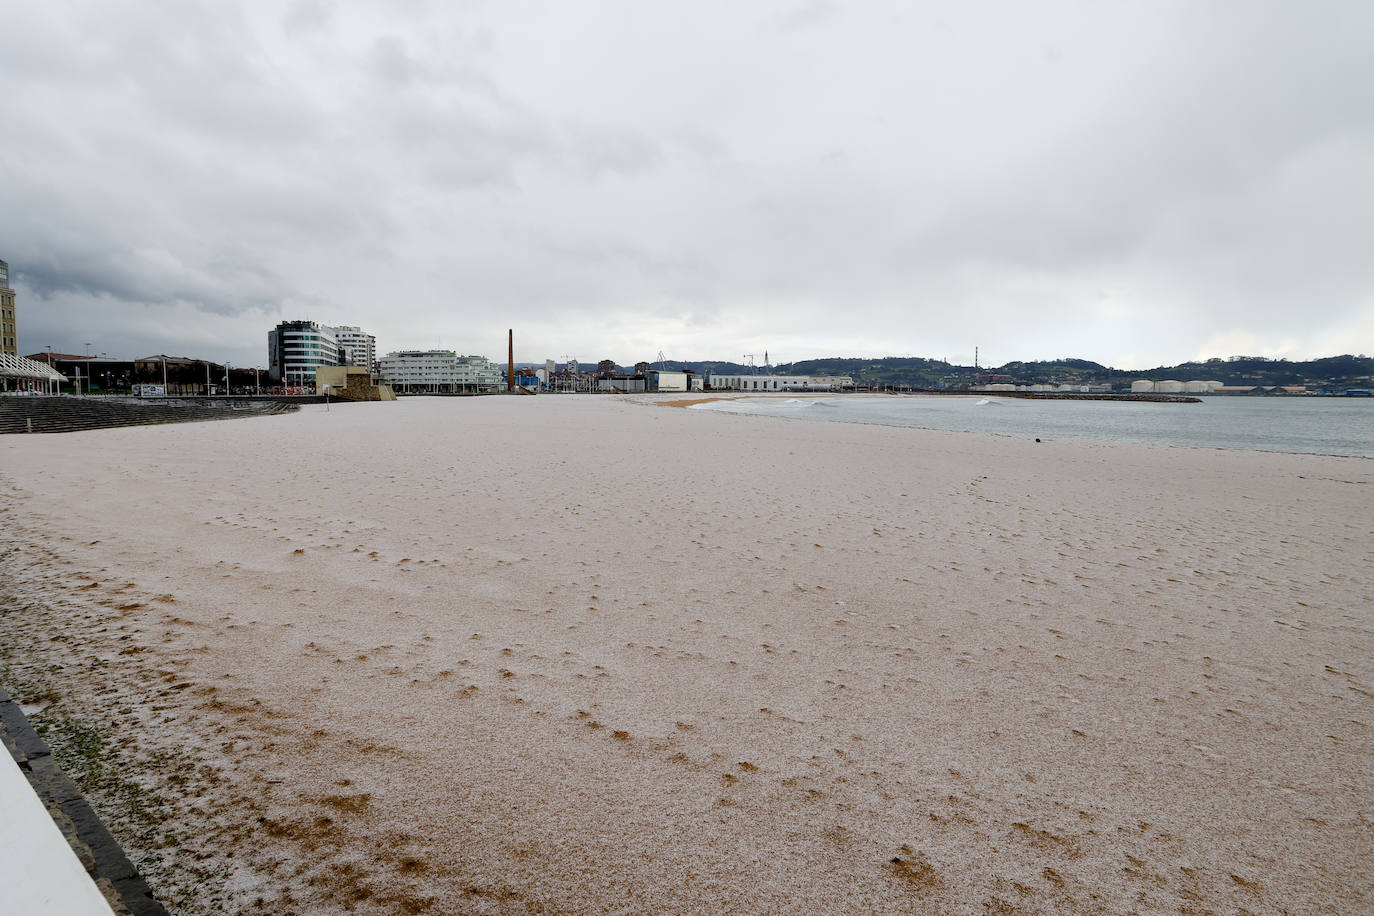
(1057, 395)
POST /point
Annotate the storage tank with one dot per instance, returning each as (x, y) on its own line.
(1214, 385)
(1195, 387)
(1169, 386)
(1142, 386)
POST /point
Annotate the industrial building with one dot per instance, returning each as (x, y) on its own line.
(623, 383)
(1169, 386)
(779, 382)
(665, 380)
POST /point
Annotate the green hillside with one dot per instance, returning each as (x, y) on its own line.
(1345, 371)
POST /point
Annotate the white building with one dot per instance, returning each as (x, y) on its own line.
(779, 382)
(27, 375)
(621, 384)
(295, 349)
(356, 348)
(1198, 386)
(831, 382)
(663, 380)
(1170, 386)
(439, 372)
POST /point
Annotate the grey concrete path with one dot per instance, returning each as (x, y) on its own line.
(56, 857)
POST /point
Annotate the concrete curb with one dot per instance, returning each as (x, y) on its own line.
(127, 893)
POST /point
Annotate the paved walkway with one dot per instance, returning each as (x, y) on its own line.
(56, 857)
(39, 870)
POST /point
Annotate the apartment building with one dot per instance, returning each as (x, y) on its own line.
(356, 348)
(9, 328)
(438, 372)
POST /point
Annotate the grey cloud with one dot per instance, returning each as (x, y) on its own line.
(390, 62)
(811, 14)
(881, 176)
(307, 16)
(597, 150)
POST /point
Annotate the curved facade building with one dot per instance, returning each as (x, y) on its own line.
(295, 349)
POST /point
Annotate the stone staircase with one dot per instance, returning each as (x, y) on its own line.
(65, 414)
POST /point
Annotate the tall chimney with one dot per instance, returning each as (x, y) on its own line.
(510, 359)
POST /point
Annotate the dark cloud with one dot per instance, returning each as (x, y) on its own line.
(1118, 182)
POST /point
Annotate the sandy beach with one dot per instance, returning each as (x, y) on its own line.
(592, 655)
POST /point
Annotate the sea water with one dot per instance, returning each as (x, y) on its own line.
(1317, 425)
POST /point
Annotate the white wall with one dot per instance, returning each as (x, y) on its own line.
(41, 873)
(672, 381)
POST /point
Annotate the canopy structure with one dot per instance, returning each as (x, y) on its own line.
(26, 370)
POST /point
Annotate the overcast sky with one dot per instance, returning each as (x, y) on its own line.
(1135, 183)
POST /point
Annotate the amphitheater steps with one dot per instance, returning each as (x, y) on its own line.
(65, 414)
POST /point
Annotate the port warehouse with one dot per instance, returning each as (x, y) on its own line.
(1170, 386)
(780, 382)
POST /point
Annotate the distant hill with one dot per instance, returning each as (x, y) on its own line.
(1333, 371)
(1345, 371)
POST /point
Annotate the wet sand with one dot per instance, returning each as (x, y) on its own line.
(584, 655)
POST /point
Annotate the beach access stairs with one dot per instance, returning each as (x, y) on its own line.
(68, 413)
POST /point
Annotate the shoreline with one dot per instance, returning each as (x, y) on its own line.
(874, 646)
(922, 392)
(1046, 434)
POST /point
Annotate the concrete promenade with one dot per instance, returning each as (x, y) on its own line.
(56, 857)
